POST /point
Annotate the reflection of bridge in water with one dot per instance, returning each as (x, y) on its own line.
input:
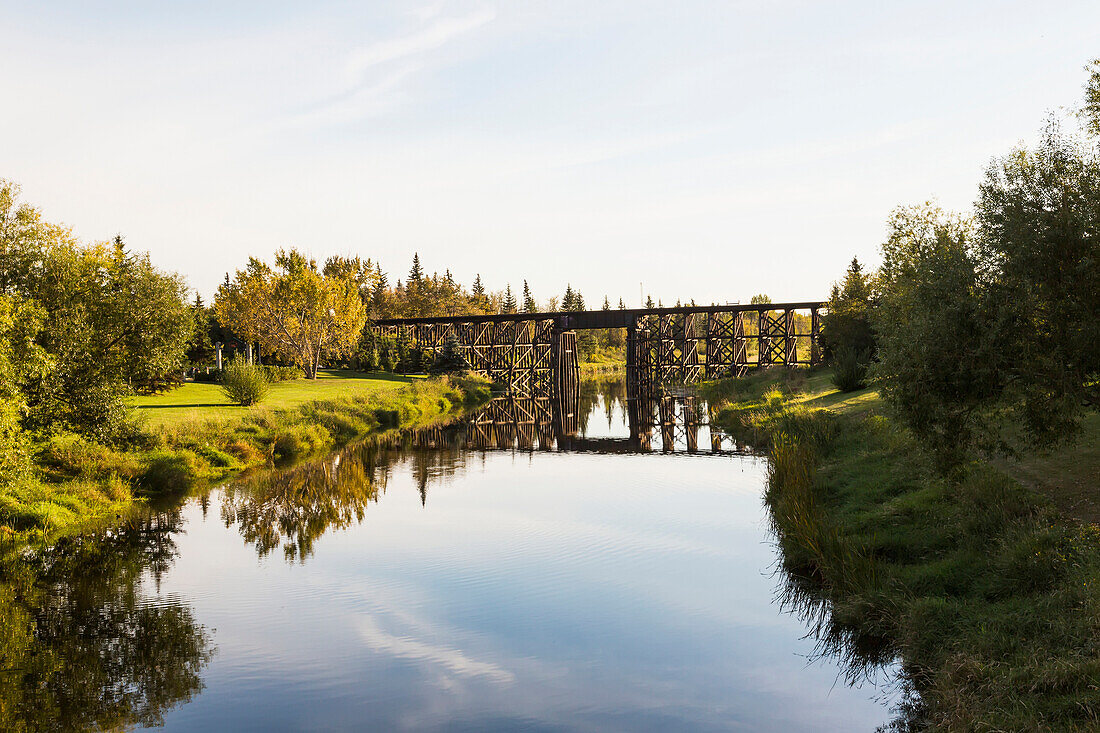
(675, 420)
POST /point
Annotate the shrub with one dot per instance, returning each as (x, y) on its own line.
(67, 456)
(218, 458)
(282, 373)
(301, 440)
(169, 471)
(245, 451)
(850, 369)
(245, 384)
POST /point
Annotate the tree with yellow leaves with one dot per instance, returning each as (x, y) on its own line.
(294, 310)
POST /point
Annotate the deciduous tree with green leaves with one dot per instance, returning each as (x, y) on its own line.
(113, 323)
(940, 360)
(1039, 247)
(293, 309)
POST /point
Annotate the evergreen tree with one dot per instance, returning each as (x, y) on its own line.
(371, 360)
(622, 305)
(509, 304)
(450, 359)
(649, 302)
(378, 295)
(388, 362)
(568, 298)
(478, 289)
(200, 348)
(529, 305)
(416, 274)
(606, 304)
(847, 325)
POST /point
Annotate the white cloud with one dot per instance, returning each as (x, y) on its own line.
(453, 660)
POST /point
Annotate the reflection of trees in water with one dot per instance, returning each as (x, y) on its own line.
(80, 647)
(613, 392)
(292, 508)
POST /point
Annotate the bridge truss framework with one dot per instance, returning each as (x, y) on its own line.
(535, 353)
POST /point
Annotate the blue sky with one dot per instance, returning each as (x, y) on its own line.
(708, 150)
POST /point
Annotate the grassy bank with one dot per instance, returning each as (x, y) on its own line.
(604, 367)
(980, 584)
(193, 438)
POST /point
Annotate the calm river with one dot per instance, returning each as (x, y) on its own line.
(429, 584)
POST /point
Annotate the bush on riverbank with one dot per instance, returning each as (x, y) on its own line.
(990, 598)
(245, 384)
(78, 481)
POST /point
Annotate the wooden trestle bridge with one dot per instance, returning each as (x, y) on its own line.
(536, 353)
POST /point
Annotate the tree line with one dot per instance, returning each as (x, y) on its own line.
(306, 313)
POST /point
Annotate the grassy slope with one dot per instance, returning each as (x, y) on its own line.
(991, 598)
(202, 401)
(1069, 475)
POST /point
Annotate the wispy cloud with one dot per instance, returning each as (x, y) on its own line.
(454, 660)
(374, 75)
(428, 39)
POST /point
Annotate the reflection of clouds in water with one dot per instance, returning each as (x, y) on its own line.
(454, 660)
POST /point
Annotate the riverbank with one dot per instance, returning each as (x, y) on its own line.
(601, 368)
(987, 592)
(79, 483)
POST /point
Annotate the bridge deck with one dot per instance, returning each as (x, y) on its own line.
(615, 318)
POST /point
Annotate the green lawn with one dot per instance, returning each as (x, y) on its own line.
(203, 401)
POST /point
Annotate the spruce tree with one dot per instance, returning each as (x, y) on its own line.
(649, 302)
(416, 274)
(509, 304)
(567, 299)
(478, 289)
(606, 304)
(450, 359)
(529, 304)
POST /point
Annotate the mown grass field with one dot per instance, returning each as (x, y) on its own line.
(205, 401)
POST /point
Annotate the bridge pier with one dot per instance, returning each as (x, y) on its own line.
(566, 380)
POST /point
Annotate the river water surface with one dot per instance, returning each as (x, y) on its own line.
(396, 587)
